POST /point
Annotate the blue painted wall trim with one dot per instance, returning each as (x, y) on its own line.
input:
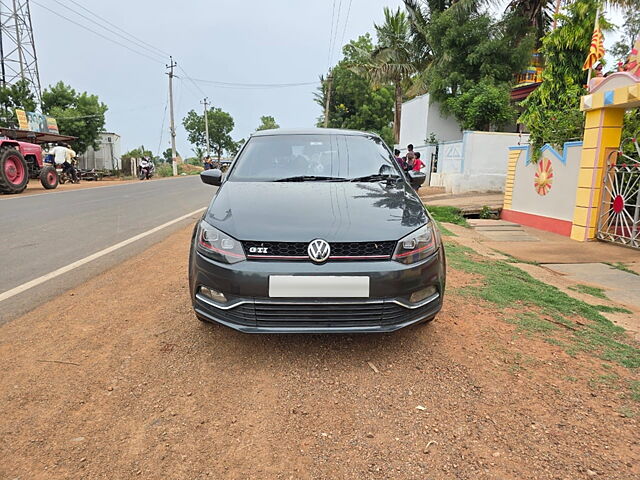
(550, 149)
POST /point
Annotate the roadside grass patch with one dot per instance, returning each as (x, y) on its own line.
(608, 309)
(447, 215)
(505, 285)
(593, 291)
(444, 230)
(635, 390)
(623, 267)
(531, 322)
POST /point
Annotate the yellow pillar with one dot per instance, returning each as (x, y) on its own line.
(514, 155)
(603, 129)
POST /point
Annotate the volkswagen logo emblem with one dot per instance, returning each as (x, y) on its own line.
(318, 250)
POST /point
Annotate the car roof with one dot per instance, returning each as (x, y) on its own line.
(310, 131)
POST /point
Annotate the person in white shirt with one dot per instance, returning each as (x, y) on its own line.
(59, 153)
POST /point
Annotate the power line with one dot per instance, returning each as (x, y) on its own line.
(192, 81)
(335, 33)
(333, 14)
(98, 33)
(165, 54)
(344, 30)
(153, 52)
(164, 117)
(251, 85)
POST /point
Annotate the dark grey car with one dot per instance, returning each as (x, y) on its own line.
(316, 231)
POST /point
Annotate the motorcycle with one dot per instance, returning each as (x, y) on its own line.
(65, 175)
(147, 170)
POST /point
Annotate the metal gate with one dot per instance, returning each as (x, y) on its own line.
(619, 218)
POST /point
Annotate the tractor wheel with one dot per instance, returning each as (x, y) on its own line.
(49, 177)
(14, 174)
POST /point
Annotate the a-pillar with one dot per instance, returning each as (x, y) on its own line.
(603, 128)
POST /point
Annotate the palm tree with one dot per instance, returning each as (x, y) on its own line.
(393, 60)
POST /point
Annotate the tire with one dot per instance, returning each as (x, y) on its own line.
(14, 173)
(49, 177)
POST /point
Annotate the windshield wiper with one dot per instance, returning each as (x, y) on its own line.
(311, 178)
(376, 177)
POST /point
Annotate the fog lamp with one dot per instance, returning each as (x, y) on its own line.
(213, 294)
(422, 294)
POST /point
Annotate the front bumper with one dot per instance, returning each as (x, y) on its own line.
(249, 308)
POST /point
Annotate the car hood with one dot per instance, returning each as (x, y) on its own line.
(302, 211)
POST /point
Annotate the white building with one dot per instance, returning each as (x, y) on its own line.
(421, 118)
(106, 156)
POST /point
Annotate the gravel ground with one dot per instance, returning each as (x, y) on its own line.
(117, 379)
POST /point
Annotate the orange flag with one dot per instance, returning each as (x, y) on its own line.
(596, 50)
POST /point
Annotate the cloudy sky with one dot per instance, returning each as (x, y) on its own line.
(275, 42)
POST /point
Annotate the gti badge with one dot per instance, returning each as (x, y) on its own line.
(258, 249)
(318, 250)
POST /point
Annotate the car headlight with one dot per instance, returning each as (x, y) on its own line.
(218, 245)
(417, 245)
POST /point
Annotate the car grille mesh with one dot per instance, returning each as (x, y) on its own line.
(339, 250)
(270, 313)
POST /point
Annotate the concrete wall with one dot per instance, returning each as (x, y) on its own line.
(550, 208)
(420, 118)
(477, 163)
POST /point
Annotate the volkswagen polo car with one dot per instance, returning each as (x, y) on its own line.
(316, 231)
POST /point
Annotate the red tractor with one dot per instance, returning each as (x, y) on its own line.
(20, 161)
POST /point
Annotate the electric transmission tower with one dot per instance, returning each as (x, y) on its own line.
(17, 49)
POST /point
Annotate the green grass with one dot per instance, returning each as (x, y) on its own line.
(447, 214)
(608, 309)
(635, 391)
(506, 286)
(593, 291)
(532, 322)
(623, 267)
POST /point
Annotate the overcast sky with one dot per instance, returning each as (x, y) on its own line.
(280, 41)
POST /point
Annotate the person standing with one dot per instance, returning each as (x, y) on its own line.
(396, 154)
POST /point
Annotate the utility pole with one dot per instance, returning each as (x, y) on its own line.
(205, 102)
(327, 99)
(171, 65)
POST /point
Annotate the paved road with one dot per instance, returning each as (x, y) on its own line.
(42, 233)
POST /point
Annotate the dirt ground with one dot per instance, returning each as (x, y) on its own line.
(117, 379)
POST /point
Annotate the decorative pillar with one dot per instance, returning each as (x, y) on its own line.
(603, 129)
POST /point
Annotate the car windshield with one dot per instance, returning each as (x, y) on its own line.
(298, 158)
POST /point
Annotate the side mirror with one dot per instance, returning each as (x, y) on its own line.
(211, 177)
(416, 179)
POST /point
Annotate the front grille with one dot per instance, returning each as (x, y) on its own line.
(339, 250)
(310, 314)
(365, 314)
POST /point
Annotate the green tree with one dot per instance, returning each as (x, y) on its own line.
(552, 112)
(78, 114)
(220, 126)
(18, 95)
(393, 59)
(167, 155)
(138, 152)
(355, 103)
(630, 31)
(473, 59)
(267, 122)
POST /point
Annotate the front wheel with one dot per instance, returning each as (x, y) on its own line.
(49, 177)
(14, 175)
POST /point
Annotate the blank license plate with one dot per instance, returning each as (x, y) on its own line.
(321, 286)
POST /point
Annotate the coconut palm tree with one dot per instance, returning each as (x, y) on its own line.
(393, 60)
